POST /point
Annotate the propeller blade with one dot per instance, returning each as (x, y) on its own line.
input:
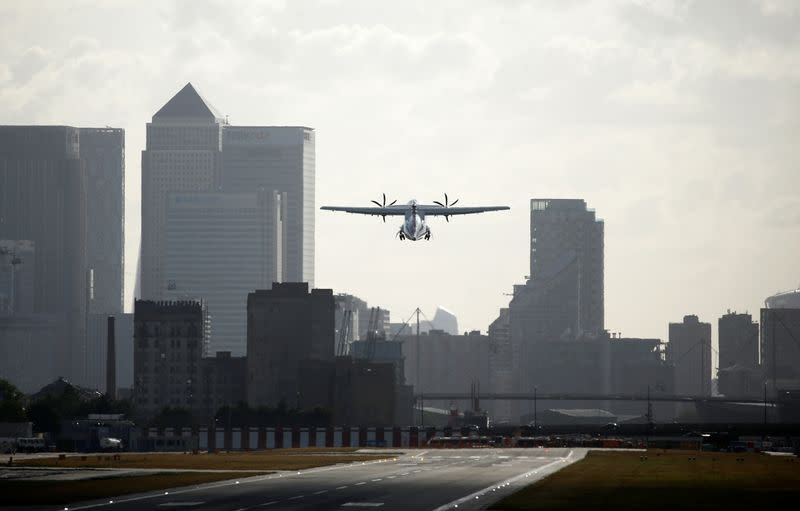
(384, 218)
(377, 203)
(445, 199)
(447, 217)
(439, 203)
(384, 199)
(392, 203)
(454, 202)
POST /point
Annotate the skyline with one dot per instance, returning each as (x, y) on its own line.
(695, 223)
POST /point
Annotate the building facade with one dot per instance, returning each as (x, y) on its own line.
(43, 200)
(169, 344)
(219, 247)
(183, 154)
(564, 229)
(276, 158)
(286, 325)
(780, 348)
(103, 153)
(689, 350)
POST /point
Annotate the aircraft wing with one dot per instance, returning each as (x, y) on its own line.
(450, 211)
(385, 211)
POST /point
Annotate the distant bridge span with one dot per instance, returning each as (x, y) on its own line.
(521, 396)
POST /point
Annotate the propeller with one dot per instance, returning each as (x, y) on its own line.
(446, 204)
(384, 205)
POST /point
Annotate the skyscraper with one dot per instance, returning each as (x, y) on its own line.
(564, 231)
(689, 349)
(103, 153)
(219, 248)
(562, 299)
(183, 154)
(277, 158)
(43, 200)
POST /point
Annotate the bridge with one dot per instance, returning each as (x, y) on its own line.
(522, 396)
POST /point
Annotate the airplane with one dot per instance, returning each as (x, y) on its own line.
(414, 227)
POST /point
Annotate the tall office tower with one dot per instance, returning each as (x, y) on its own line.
(220, 247)
(780, 344)
(43, 200)
(103, 153)
(286, 326)
(277, 159)
(564, 230)
(689, 349)
(183, 155)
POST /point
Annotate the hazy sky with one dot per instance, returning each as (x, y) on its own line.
(678, 122)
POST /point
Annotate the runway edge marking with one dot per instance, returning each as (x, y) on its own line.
(473, 496)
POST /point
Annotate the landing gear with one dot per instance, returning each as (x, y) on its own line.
(428, 235)
(402, 236)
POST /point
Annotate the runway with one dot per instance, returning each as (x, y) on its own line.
(427, 480)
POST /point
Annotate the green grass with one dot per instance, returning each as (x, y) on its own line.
(276, 459)
(23, 493)
(659, 480)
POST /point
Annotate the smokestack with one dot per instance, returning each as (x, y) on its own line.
(111, 361)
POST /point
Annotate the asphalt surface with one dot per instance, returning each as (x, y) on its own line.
(427, 480)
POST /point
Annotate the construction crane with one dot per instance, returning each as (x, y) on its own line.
(344, 331)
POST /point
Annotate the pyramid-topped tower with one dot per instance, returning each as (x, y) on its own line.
(185, 105)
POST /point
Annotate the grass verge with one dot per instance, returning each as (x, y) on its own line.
(24, 493)
(278, 459)
(664, 480)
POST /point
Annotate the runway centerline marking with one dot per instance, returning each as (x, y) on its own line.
(181, 504)
(268, 503)
(296, 497)
(320, 492)
(341, 487)
(359, 484)
(362, 504)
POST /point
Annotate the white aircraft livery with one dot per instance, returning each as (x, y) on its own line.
(414, 227)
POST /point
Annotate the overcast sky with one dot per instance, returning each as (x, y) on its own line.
(678, 122)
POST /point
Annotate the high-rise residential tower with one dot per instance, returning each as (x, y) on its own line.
(738, 341)
(282, 159)
(286, 326)
(689, 349)
(183, 154)
(563, 231)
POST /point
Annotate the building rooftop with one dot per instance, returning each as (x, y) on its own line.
(187, 103)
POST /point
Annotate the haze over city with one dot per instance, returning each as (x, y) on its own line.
(676, 122)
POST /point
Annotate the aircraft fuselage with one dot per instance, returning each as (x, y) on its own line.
(414, 227)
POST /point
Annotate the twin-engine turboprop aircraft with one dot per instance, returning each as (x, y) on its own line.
(414, 227)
